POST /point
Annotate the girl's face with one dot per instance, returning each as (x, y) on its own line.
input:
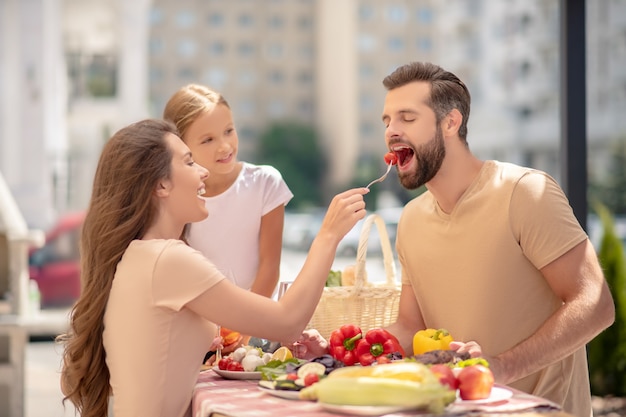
(186, 184)
(213, 140)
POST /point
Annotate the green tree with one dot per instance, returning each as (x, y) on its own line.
(607, 352)
(293, 148)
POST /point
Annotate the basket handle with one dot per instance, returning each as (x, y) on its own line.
(390, 266)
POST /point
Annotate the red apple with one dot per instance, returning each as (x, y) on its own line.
(475, 382)
(445, 375)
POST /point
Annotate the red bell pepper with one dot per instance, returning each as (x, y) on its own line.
(377, 342)
(343, 343)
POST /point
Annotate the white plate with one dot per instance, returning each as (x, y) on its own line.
(236, 374)
(497, 394)
(364, 410)
(281, 393)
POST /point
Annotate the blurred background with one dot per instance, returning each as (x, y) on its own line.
(304, 79)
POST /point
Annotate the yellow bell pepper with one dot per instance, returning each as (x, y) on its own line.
(431, 339)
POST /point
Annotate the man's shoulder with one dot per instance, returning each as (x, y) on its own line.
(512, 170)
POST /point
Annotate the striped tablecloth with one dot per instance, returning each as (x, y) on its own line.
(215, 396)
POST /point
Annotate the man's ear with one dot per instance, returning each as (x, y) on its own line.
(162, 189)
(452, 122)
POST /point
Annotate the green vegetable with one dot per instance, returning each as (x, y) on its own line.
(333, 279)
(471, 362)
(273, 369)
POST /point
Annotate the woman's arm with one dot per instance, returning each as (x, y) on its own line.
(284, 320)
(270, 247)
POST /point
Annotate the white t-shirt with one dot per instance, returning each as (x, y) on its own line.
(229, 236)
(153, 343)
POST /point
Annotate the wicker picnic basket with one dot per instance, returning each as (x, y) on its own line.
(368, 305)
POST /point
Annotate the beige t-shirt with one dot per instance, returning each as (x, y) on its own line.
(475, 271)
(154, 345)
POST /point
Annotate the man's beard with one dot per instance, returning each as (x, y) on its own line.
(429, 157)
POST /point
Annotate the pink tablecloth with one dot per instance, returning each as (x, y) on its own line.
(241, 398)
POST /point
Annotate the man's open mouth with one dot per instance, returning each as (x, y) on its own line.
(403, 153)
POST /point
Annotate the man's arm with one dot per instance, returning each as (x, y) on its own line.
(587, 309)
(409, 320)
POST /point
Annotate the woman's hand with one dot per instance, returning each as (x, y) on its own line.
(344, 211)
(226, 349)
(309, 345)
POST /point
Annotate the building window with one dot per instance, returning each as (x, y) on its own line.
(185, 19)
(156, 16)
(276, 108)
(276, 22)
(92, 75)
(156, 46)
(425, 16)
(305, 23)
(305, 51)
(395, 44)
(276, 77)
(366, 72)
(185, 74)
(275, 50)
(396, 14)
(156, 75)
(245, 134)
(245, 108)
(245, 49)
(245, 20)
(366, 12)
(366, 42)
(216, 20)
(216, 48)
(186, 48)
(246, 78)
(216, 78)
(305, 108)
(366, 129)
(424, 44)
(367, 103)
(305, 77)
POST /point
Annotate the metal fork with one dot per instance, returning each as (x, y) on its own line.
(382, 178)
(218, 352)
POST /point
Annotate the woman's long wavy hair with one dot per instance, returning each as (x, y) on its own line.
(121, 209)
(189, 102)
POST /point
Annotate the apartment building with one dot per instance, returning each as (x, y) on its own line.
(315, 61)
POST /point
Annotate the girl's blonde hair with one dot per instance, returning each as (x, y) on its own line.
(121, 209)
(188, 103)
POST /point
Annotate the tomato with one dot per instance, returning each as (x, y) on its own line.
(391, 158)
(311, 379)
(235, 366)
(292, 376)
(223, 363)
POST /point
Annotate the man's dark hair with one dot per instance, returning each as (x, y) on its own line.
(447, 91)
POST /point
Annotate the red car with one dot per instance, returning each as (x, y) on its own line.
(56, 265)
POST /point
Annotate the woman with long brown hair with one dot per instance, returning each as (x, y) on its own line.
(150, 303)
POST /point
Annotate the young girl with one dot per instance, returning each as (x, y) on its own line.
(243, 233)
(149, 302)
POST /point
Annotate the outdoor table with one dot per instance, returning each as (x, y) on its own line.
(215, 396)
